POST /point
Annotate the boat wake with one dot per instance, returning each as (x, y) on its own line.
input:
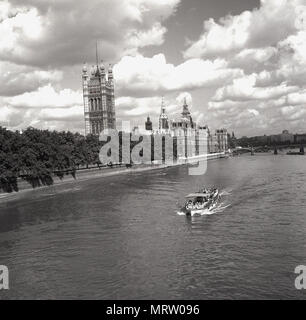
(207, 212)
(218, 207)
(226, 193)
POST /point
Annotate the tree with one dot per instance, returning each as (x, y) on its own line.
(37, 155)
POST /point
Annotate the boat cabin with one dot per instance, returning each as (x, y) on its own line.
(198, 197)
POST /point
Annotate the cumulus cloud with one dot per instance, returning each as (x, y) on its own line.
(272, 22)
(268, 44)
(150, 75)
(16, 79)
(185, 95)
(137, 109)
(45, 107)
(298, 98)
(231, 34)
(130, 106)
(293, 113)
(74, 113)
(254, 59)
(6, 115)
(57, 33)
(245, 89)
(247, 70)
(292, 60)
(45, 97)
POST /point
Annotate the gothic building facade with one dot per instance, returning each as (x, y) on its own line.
(185, 122)
(184, 127)
(99, 99)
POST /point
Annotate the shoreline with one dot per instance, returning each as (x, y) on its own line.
(96, 173)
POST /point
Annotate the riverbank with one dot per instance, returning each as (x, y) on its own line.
(96, 173)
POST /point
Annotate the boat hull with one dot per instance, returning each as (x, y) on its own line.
(210, 204)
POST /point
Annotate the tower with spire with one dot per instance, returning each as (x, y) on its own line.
(99, 98)
(186, 116)
(163, 118)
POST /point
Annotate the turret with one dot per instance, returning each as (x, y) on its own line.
(84, 74)
(185, 112)
(163, 118)
(110, 75)
(85, 79)
(148, 124)
(93, 70)
(186, 116)
(102, 69)
(84, 69)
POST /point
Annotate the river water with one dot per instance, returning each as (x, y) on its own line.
(120, 237)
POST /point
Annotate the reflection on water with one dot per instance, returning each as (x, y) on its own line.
(120, 237)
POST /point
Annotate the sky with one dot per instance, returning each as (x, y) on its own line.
(241, 64)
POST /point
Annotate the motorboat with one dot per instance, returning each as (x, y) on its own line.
(197, 203)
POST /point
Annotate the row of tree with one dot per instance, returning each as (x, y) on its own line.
(37, 155)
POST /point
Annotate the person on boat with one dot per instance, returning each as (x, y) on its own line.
(189, 204)
(198, 203)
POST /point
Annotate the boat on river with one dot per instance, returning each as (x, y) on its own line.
(197, 203)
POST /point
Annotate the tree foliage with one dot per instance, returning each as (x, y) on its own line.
(36, 155)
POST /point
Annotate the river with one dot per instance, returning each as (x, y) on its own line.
(120, 237)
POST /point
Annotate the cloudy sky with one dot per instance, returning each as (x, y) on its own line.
(240, 63)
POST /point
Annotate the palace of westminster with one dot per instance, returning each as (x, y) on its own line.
(99, 111)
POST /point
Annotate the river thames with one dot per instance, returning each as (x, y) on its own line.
(120, 237)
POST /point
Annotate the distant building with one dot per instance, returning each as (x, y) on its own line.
(218, 142)
(99, 99)
(283, 138)
(221, 135)
(300, 138)
(286, 137)
(263, 139)
(231, 140)
(275, 139)
(213, 143)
